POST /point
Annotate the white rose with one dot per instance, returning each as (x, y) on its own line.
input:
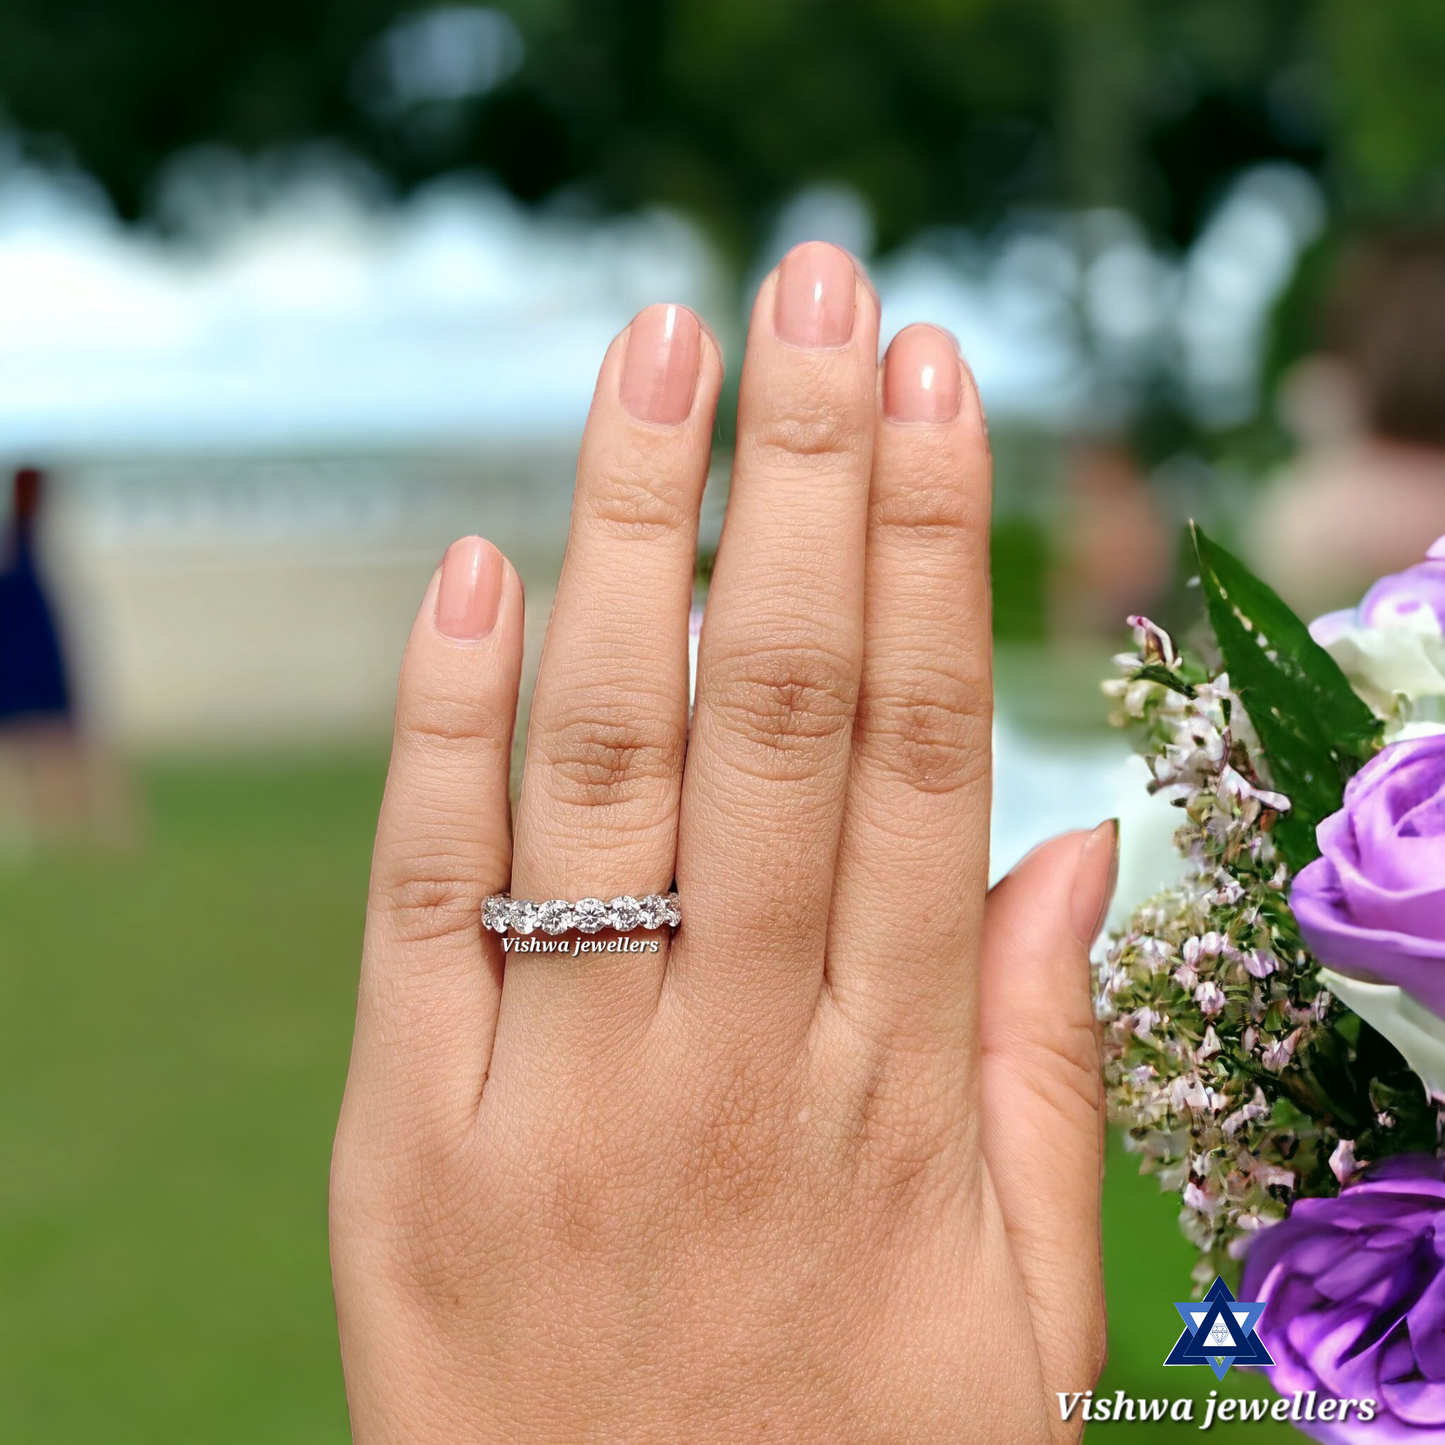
(1397, 666)
(1410, 1026)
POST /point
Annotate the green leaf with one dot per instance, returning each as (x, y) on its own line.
(1314, 730)
(1156, 672)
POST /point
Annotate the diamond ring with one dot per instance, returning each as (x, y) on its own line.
(501, 912)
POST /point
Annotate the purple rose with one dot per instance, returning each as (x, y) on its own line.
(1392, 599)
(1402, 593)
(1354, 1295)
(1373, 904)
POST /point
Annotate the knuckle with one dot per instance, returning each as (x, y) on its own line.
(1064, 1073)
(584, 1192)
(414, 1206)
(786, 701)
(816, 428)
(428, 898)
(636, 501)
(580, 1207)
(929, 499)
(901, 1158)
(929, 732)
(901, 1177)
(1071, 1076)
(738, 1143)
(434, 1230)
(611, 757)
(437, 722)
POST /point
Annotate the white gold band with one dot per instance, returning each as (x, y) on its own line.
(502, 913)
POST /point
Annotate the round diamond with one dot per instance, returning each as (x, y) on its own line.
(625, 912)
(589, 915)
(652, 910)
(525, 918)
(495, 912)
(555, 915)
(672, 913)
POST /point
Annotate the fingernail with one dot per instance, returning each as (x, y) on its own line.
(921, 376)
(471, 589)
(659, 372)
(1094, 879)
(813, 305)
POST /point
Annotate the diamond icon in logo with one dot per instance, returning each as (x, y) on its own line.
(1219, 1331)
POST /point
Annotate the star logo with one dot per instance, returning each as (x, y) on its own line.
(1219, 1331)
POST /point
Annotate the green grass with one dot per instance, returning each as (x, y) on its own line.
(175, 1033)
(173, 1040)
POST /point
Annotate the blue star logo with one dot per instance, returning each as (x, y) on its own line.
(1219, 1331)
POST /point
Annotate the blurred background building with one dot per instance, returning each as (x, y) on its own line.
(291, 295)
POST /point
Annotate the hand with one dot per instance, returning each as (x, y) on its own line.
(825, 1165)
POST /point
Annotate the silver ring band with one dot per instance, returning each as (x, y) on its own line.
(502, 913)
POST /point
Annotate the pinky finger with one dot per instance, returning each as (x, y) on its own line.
(431, 978)
(1042, 1090)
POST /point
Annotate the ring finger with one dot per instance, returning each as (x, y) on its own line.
(598, 814)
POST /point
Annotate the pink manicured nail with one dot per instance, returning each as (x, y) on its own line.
(814, 301)
(920, 377)
(471, 589)
(659, 373)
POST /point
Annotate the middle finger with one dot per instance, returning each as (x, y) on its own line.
(781, 652)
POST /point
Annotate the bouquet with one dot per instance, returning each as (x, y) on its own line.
(1274, 1044)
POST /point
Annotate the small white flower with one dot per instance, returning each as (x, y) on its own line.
(1136, 695)
(1187, 1092)
(1280, 1052)
(1227, 892)
(1274, 1176)
(1256, 1108)
(1210, 998)
(1260, 963)
(1154, 644)
(1142, 1021)
(1205, 1200)
(1238, 790)
(1248, 1225)
(1155, 950)
(1171, 1180)
(1343, 1163)
(1209, 1046)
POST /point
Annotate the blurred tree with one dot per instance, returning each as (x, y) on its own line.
(1385, 64)
(936, 111)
